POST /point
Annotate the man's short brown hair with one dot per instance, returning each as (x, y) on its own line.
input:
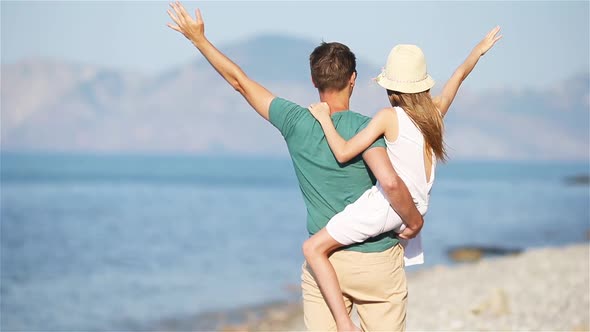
(331, 64)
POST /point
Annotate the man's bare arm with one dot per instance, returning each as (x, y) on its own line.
(395, 189)
(194, 30)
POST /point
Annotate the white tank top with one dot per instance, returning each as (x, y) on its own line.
(406, 154)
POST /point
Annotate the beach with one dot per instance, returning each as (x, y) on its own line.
(541, 289)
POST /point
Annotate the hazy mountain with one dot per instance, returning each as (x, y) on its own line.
(552, 123)
(54, 105)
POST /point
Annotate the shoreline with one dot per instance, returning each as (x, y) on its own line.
(544, 288)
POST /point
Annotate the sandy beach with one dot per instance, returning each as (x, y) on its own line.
(544, 289)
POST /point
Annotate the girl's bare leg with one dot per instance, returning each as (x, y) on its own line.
(316, 250)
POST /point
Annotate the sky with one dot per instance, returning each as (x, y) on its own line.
(544, 41)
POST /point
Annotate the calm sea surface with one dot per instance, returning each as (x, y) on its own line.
(115, 242)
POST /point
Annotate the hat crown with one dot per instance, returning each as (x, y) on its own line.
(406, 64)
(405, 71)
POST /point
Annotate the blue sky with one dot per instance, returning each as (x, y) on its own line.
(544, 41)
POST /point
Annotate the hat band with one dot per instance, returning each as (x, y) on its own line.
(397, 81)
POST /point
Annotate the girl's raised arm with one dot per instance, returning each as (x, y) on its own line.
(444, 101)
(346, 150)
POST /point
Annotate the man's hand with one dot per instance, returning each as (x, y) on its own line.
(320, 111)
(409, 233)
(191, 29)
(257, 96)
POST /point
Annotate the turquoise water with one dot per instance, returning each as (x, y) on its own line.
(114, 242)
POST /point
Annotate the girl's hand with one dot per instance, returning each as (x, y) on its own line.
(490, 39)
(320, 111)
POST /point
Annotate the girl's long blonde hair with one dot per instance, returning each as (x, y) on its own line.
(426, 116)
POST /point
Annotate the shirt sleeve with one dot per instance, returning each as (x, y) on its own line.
(379, 143)
(284, 115)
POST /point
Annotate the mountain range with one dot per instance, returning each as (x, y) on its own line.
(55, 105)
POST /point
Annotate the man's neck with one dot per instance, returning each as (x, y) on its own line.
(337, 100)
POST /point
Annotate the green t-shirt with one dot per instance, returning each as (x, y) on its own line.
(327, 186)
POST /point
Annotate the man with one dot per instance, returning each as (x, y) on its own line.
(371, 274)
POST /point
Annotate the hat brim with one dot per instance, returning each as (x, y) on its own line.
(405, 87)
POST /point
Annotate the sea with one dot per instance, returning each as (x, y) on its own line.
(105, 242)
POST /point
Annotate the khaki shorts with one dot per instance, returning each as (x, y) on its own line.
(374, 282)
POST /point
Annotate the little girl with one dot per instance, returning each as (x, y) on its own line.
(413, 132)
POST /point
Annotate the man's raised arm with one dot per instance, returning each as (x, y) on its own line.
(395, 189)
(257, 96)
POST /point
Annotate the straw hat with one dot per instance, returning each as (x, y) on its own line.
(405, 70)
